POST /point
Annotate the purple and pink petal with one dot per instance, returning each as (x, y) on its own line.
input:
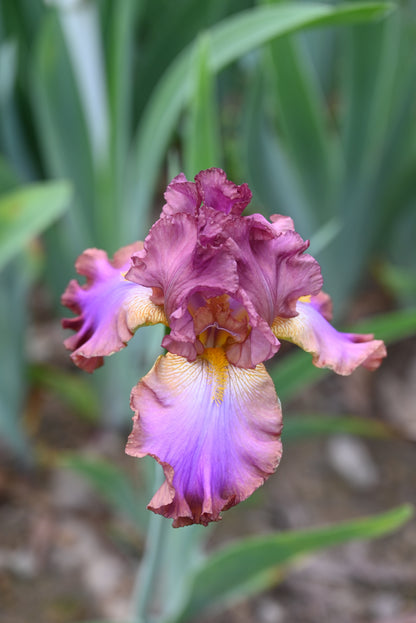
(342, 352)
(109, 307)
(214, 428)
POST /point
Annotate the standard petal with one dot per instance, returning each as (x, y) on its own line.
(276, 272)
(282, 223)
(109, 307)
(175, 265)
(221, 194)
(181, 196)
(273, 269)
(342, 352)
(213, 427)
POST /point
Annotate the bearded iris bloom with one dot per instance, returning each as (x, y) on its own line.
(229, 288)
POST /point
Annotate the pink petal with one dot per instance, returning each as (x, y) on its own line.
(221, 194)
(273, 273)
(109, 307)
(282, 223)
(181, 196)
(276, 272)
(214, 428)
(342, 352)
(176, 265)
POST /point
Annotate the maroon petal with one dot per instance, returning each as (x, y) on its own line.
(221, 194)
(176, 265)
(181, 196)
(273, 269)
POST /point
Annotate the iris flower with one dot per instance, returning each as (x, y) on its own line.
(229, 288)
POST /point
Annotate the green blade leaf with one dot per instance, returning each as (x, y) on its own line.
(72, 388)
(226, 573)
(63, 142)
(371, 66)
(398, 280)
(13, 142)
(305, 129)
(202, 145)
(8, 177)
(372, 91)
(186, 19)
(296, 370)
(310, 425)
(112, 484)
(270, 174)
(234, 37)
(231, 39)
(389, 327)
(122, 22)
(14, 287)
(25, 213)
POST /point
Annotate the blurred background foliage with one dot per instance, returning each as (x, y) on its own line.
(102, 102)
(116, 97)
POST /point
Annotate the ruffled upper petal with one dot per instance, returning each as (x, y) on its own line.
(109, 307)
(181, 196)
(214, 428)
(282, 223)
(273, 272)
(175, 265)
(211, 188)
(342, 352)
(274, 269)
(217, 192)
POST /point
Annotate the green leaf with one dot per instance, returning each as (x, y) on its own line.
(230, 39)
(374, 116)
(113, 485)
(8, 178)
(122, 22)
(62, 134)
(228, 573)
(315, 425)
(398, 280)
(293, 373)
(73, 389)
(14, 287)
(370, 68)
(296, 370)
(25, 213)
(13, 142)
(186, 19)
(389, 327)
(270, 173)
(202, 145)
(305, 128)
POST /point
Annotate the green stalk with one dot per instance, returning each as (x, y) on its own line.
(144, 591)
